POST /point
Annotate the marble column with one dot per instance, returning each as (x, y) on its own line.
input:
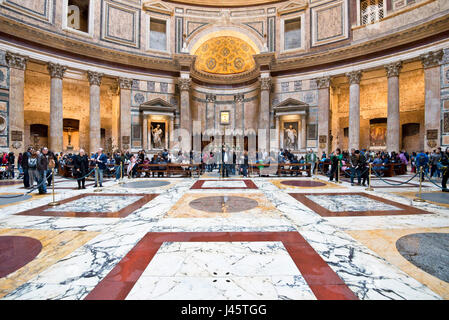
(432, 111)
(278, 132)
(172, 131)
(239, 120)
(186, 117)
(145, 132)
(17, 66)
(393, 119)
(56, 108)
(303, 144)
(94, 111)
(264, 113)
(210, 113)
(125, 113)
(354, 109)
(323, 85)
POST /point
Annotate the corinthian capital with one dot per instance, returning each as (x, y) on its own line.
(393, 69)
(354, 77)
(125, 83)
(184, 84)
(265, 83)
(238, 97)
(432, 59)
(323, 83)
(14, 60)
(210, 98)
(94, 78)
(56, 70)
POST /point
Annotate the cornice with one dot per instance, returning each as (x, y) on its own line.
(225, 78)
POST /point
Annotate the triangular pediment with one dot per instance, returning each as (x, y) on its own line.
(290, 103)
(293, 6)
(158, 7)
(157, 104)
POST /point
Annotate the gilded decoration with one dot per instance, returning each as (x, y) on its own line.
(225, 55)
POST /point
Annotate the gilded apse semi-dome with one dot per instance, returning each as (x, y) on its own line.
(225, 55)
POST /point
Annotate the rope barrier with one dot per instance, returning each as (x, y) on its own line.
(394, 184)
(428, 177)
(89, 173)
(29, 191)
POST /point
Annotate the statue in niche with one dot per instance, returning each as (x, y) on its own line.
(291, 135)
(157, 134)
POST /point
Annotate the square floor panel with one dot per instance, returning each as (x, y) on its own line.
(54, 246)
(112, 205)
(353, 204)
(228, 265)
(223, 205)
(224, 184)
(294, 183)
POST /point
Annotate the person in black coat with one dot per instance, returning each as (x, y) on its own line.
(81, 168)
(26, 178)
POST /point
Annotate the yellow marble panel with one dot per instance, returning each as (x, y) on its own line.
(182, 209)
(383, 242)
(55, 246)
(412, 195)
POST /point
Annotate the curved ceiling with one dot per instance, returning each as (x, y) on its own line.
(225, 3)
(225, 55)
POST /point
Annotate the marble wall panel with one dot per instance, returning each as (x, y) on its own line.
(127, 31)
(329, 22)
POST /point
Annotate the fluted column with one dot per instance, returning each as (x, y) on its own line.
(303, 132)
(393, 118)
(264, 113)
(323, 85)
(186, 117)
(94, 110)
(239, 120)
(354, 109)
(56, 108)
(431, 62)
(145, 145)
(210, 113)
(17, 66)
(125, 113)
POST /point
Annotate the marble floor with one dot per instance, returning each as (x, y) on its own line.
(238, 238)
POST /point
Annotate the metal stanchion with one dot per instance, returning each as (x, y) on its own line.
(121, 173)
(420, 199)
(96, 179)
(53, 203)
(338, 172)
(369, 179)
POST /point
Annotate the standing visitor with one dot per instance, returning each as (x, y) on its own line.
(444, 161)
(32, 169)
(335, 162)
(42, 168)
(100, 159)
(311, 158)
(81, 167)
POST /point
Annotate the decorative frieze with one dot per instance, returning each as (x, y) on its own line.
(14, 60)
(354, 77)
(94, 78)
(125, 83)
(184, 84)
(210, 98)
(238, 98)
(432, 59)
(323, 83)
(393, 69)
(56, 70)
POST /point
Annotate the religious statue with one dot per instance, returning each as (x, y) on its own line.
(157, 136)
(291, 135)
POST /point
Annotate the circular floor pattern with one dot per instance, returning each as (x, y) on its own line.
(145, 184)
(16, 252)
(440, 197)
(427, 251)
(6, 200)
(305, 184)
(223, 204)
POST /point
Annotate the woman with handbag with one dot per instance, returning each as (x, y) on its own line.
(81, 168)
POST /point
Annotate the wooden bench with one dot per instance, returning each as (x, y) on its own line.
(298, 168)
(152, 168)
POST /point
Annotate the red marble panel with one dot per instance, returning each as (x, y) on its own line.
(40, 211)
(323, 281)
(16, 252)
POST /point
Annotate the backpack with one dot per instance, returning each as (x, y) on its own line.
(32, 163)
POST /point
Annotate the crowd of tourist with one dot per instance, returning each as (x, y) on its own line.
(35, 166)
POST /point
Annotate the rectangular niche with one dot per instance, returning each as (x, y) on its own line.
(77, 16)
(329, 23)
(120, 24)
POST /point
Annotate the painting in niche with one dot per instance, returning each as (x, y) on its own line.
(378, 134)
(157, 130)
(291, 135)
